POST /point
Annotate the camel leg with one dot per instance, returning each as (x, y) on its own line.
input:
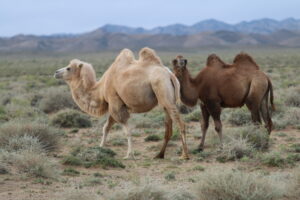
(215, 111)
(108, 124)
(164, 92)
(254, 109)
(120, 114)
(176, 117)
(168, 135)
(129, 139)
(204, 125)
(264, 109)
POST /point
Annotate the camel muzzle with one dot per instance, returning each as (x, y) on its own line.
(58, 74)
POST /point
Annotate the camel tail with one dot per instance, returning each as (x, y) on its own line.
(271, 94)
(176, 88)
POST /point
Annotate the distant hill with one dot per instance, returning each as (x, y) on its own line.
(261, 26)
(208, 33)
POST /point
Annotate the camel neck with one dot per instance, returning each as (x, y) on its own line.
(188, 90)
(90, 100)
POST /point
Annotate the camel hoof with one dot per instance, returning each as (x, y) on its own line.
(184, 157)
(199, 149)
(129, 157)
(159, 156)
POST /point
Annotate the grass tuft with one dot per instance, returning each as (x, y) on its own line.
(71, 118)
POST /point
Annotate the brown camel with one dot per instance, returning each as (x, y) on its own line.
(219, 85)
(127, 86)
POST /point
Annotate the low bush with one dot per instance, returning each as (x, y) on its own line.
(276, 159)
(71, 118)
(15, 135)
(256, 136)
(239, 117)
(235, 149)
(228, 184)
(144, 192)
(70, 172)
(152, 138)
(93, 156)
(293, 97)
(54, 99)
(32, 163)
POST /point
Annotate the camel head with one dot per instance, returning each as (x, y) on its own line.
(77, 71)
(179, 65)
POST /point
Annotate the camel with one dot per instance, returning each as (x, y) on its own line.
(220, 85)
(127, 86)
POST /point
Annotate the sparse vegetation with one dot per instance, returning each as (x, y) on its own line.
(17, 135)
(71, 118)
(240, 117)
(152, 138)
(141, 193)
(228, 184)
(93, 156)
(56, 98)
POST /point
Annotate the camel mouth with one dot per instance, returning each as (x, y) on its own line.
(57, 75)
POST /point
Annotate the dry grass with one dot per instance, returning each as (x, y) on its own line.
(16, 134)
(30, 162)
(228, 185)
(144, 192)
(56, 98)
(71, 118)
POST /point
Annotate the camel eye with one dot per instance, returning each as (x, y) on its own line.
(68, 68)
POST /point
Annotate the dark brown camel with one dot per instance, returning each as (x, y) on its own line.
(219, 85)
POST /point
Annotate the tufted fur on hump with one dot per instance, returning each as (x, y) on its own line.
(148, 56)
(245, 58)
(214, 61)
(87, 73)
(125, 58)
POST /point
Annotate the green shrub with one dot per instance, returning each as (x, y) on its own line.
(32, 163)
(292, 117)
(118, 141)
(295, 148)
(55, 99)
(15, 135)
(293, 98)
(273, 159)
(153, 138)
(256, 136)
(72, 160)
(234, 149)
(71, 118)
(170, 176)
(93, 156)
(144, 192)
(70, 172)
(239, 117)
(228, 185)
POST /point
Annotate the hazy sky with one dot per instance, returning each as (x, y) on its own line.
(74, 16)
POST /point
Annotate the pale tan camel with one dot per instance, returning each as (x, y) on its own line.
(128, 86)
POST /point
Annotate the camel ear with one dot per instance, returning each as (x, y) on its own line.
(174, 62)
(80, 65)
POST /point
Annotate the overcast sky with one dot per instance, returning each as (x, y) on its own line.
(77, 16)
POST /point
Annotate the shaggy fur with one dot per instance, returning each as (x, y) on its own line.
(221, 85)
(128, 86)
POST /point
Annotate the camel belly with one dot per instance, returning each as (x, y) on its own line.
(233, 96)
(138, 98)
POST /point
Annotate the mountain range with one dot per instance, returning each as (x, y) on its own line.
(208, 33)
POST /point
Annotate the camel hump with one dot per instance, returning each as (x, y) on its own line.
(125, 57)
(214, 61)
(242, 58)
(148, 56)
